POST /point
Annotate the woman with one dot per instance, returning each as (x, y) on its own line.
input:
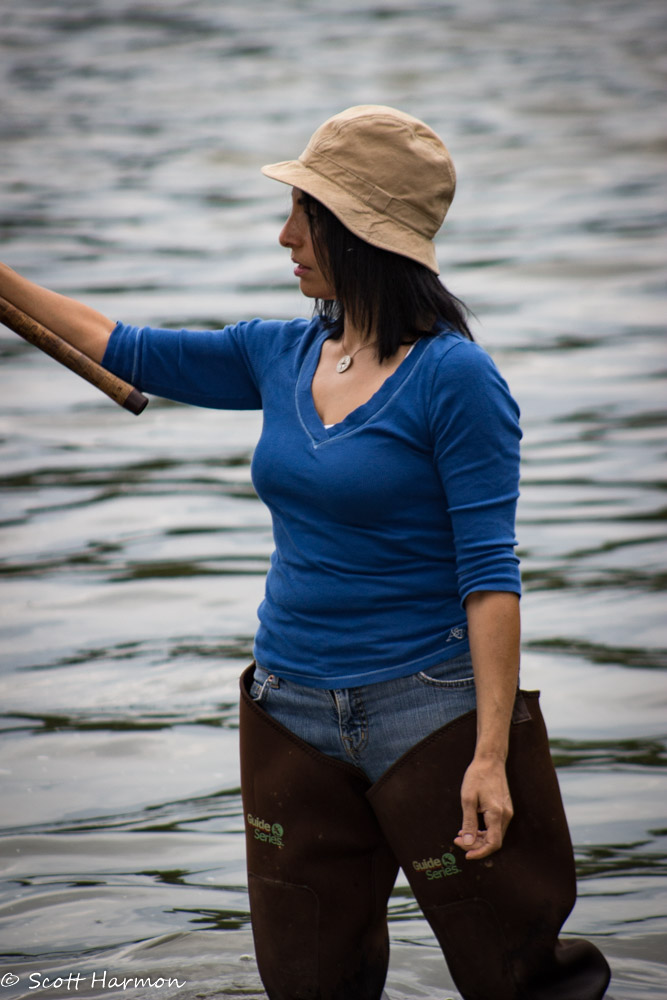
(381, 719)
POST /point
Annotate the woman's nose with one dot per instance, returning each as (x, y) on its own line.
(289, 236)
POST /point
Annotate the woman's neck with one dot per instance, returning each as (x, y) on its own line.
(353, 338)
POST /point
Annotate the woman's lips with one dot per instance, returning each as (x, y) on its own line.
(300, 270)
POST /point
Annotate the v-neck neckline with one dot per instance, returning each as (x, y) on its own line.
(361, 415)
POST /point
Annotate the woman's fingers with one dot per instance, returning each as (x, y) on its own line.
(485, 794)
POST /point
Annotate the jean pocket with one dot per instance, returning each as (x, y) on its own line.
(454, 673)
(262, 683)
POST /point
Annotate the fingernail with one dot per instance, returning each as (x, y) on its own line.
(468, 839)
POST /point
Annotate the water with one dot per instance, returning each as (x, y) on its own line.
(134, 549)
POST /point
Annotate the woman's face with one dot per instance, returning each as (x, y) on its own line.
(296, 235)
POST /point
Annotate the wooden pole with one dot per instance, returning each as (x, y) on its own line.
(40, 336)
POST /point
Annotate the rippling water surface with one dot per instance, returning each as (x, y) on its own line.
(133, 550)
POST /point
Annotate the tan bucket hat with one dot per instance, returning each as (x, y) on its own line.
(384, 174)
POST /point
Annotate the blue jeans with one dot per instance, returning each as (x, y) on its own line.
(370, 726)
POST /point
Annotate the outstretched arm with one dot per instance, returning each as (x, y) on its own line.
(86, 329)
(494, 630)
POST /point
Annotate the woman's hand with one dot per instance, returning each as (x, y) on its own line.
(484, 793)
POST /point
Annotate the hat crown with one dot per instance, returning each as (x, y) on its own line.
(381, 153)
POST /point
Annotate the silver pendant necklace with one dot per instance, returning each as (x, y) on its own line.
(347, 359)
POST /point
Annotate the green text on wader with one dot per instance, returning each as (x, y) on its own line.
(270, 833)
(441, 867)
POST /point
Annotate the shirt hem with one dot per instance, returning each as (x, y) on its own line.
(373, 676)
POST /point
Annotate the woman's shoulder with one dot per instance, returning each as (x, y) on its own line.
(454, 354)
(281, 330)
(463, 370)
(273, 336)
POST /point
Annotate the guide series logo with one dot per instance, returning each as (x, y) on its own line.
(441, 867)
(269, 833)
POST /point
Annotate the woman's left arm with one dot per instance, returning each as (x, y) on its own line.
(494, 631)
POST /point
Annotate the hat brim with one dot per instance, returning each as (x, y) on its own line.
(365, 222)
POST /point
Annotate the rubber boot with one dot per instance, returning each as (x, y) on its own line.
(497, 920)
(320, 871)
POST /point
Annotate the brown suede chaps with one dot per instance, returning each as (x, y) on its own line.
(324, 848)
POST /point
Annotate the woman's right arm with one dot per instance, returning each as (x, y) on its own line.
(86, 329)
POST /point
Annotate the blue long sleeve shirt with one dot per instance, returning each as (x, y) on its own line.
(384, 523)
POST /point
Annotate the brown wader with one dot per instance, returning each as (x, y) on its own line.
(324, 847)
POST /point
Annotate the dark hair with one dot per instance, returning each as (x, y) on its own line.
(384, 293)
